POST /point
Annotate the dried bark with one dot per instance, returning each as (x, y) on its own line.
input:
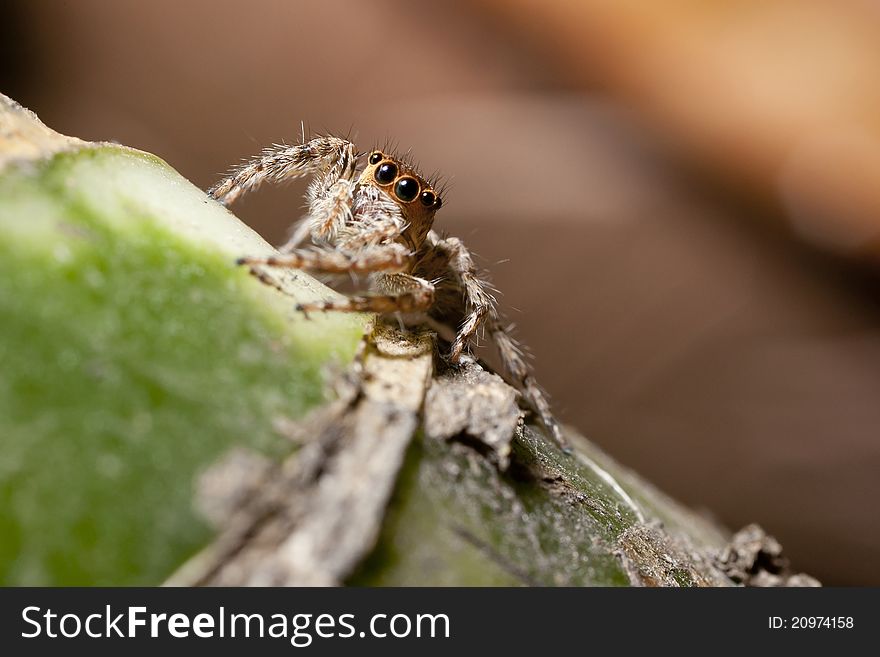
(318, 518)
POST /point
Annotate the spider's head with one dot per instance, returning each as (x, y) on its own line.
(414, 194)
(416, 197)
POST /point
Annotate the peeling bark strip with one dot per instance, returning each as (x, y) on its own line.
(346, 509)
(474, 405)
(316, 516)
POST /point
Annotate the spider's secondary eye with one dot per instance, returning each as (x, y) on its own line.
(376, 157)
(386, 173)
(427, 198)
(406, 189)
(439, 203)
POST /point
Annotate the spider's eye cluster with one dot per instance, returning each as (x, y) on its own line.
(407, 188)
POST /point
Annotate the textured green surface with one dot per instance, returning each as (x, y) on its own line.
(133, 354)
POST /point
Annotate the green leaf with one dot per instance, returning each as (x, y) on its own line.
(134, 353)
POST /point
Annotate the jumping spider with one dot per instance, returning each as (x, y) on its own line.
(376, 219)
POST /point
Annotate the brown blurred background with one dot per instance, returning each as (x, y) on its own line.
(680, 201)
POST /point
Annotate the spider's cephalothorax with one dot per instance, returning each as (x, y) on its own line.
(374, 216)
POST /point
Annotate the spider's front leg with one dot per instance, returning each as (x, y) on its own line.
(336, 158)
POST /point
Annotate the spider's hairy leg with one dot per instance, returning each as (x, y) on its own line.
(333, 155)
(407, 294)
(479, 301)
(387, 257)
(515, 364)
(481, 310)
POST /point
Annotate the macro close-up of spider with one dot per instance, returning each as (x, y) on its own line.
(447, 304)
(372, 215)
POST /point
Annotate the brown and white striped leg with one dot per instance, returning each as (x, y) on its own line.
(280, 162)
(481, 310)
(479, 302)
(411, 294)
(387, 258)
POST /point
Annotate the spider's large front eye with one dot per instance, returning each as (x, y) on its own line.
(406, 189)
(386, 173)
(376, 157)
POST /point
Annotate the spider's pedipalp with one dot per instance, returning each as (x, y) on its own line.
(376, 218)
(330, 207)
